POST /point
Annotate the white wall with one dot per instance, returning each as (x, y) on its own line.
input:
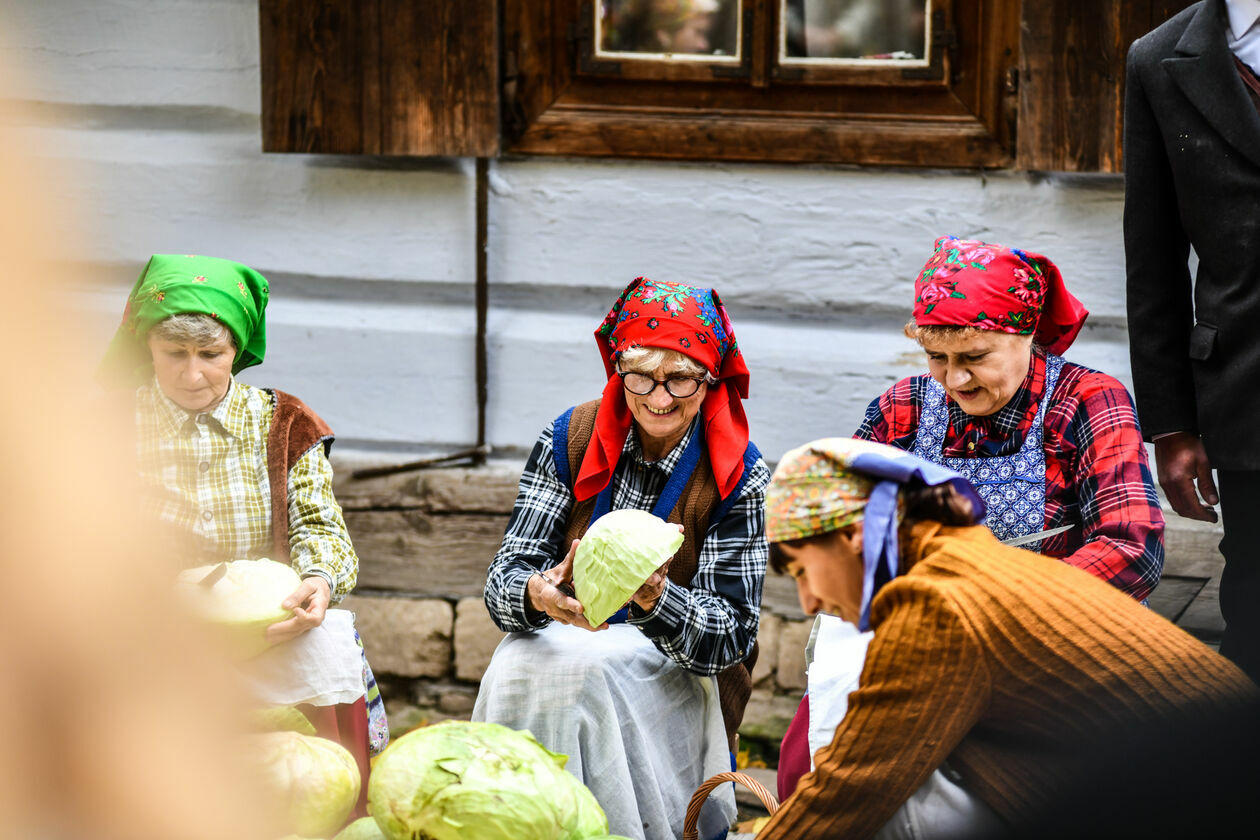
(151, 108)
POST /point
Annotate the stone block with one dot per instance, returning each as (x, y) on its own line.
(476, 637)
(405, 637)
(457, 701)
(768, 639)
(790, 669)
(767, 715)
(438, 555)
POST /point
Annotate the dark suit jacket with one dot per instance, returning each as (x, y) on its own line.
(1192, 178)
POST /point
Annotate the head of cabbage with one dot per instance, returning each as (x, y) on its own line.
(245, 601)
(314, 781)
(619, 552)
(478, 781)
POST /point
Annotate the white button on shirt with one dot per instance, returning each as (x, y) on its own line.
(1244, 31)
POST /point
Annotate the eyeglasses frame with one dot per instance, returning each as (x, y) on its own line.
(657, 383)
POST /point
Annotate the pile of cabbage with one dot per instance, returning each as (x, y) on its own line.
(479, 781)
(471, 781)
(619, 552)
(244, 601)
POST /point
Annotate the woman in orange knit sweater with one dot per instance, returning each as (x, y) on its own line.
(1055, 701)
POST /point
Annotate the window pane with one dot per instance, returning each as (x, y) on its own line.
(669, 28)
(871, 30)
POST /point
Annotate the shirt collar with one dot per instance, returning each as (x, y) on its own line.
(171, 418)
(1007, 420)
(1243, 15)
(232, 411)
(229, 414)
(634, 448)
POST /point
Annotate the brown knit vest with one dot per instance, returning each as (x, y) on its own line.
(295, 429)
(699, 499)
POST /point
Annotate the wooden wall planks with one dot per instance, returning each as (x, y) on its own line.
(378, 77)
(1071, 80)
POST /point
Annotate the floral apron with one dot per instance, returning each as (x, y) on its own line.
(1013, 486)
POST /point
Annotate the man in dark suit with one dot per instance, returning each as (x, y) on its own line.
(1192, 179)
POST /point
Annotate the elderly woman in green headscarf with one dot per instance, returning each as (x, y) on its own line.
(230, 471)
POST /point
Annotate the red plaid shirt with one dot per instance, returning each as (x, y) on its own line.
(1097, 476)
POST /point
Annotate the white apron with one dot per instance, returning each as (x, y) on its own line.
(641, 732)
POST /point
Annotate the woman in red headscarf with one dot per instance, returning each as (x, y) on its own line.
(1050, 445)
(647, 708)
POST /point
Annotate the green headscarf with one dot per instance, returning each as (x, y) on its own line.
(227, 291)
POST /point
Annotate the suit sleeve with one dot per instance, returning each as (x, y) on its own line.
(1160, 306)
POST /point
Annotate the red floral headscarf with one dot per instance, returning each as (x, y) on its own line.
(693, 322)
(967, 283)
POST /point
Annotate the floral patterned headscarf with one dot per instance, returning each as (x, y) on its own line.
(231, 293)
(835, 482)
(693, 322)
(968, 283)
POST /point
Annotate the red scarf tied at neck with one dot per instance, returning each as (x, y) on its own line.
(693, 322)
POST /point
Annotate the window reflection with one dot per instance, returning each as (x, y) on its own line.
(670, 27)
(890, 30)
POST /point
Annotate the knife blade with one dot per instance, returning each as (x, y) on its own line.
(212, 577)
(1040, 535)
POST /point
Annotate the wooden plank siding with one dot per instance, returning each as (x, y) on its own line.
(1071, 80)
(376, 77)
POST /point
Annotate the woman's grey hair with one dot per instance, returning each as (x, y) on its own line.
(194, 328)
(648, 359)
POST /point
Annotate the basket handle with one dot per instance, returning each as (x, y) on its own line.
(690, 832)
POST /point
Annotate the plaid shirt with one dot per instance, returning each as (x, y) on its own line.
(206, 474)
(704, 627)
(1097, 475)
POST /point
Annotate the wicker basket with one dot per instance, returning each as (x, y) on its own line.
(690, 832)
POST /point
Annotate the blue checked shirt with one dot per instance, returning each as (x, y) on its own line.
(705, 627)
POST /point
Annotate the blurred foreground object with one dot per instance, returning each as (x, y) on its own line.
(116, 712)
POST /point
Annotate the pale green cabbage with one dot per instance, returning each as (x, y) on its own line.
(619, 552)
(478, 781)
(245, 601)
(364, 828)
(315, 780)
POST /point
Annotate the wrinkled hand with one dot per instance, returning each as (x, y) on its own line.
(309, 602)
(650, 592)
(1182, 463)
(544, 596)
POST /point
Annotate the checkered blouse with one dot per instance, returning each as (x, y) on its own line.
(206, 475)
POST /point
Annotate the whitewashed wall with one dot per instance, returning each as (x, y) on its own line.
(151, 107)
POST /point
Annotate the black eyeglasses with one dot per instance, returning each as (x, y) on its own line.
(643, 385)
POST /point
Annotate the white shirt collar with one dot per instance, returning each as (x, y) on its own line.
(1243, 15)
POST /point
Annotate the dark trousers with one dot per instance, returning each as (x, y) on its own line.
(1240, 582)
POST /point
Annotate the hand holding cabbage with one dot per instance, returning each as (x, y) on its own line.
(623, 557)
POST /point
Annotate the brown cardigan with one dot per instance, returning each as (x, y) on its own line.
(295, 430)
(699, 499)
(1014, 666)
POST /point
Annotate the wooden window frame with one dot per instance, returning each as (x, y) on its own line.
(488, 77)
(962, 117)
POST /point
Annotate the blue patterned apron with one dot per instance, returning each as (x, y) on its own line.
(1012, 486)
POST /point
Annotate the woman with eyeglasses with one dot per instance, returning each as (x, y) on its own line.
(646, 706)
